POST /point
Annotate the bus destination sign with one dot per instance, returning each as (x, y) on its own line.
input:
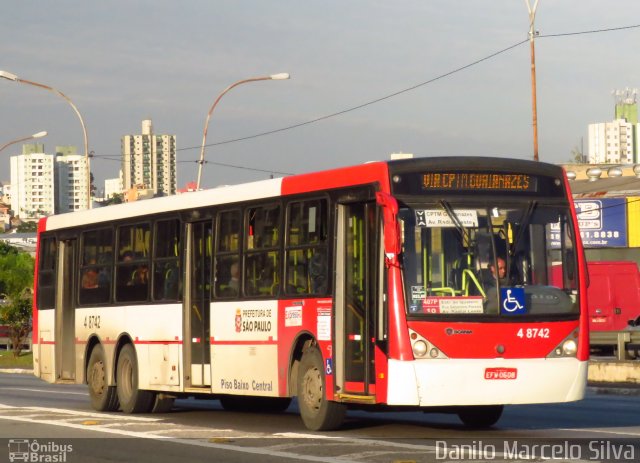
(474, 181)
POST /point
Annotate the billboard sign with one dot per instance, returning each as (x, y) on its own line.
(602, 222)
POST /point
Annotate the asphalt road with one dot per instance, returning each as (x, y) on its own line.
(49, 418)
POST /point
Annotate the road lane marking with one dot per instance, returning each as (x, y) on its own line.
(44, 390)
(80, 413)
(604, 431)
(213, 445)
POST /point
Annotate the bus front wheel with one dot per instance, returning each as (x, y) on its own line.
(132, 399)
(103, 397)
(480, 416)
(318, 413)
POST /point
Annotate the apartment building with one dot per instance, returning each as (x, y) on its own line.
(149, 161)
(32, 182)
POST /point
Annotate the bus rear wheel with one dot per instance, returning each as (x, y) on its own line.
(162, 403)
(318, 413)
(103, 397)
(132, 399)
(480, 416)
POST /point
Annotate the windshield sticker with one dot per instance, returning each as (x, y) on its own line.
(512, 301)
(452, 305)
(439, 218)
(418, 293)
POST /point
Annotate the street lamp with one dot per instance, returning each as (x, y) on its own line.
(15, 78)
(35, 135)
(281, 76)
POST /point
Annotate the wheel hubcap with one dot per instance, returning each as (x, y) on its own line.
(312, 389)
(97, 378)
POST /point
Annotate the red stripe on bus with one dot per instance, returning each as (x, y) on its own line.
(243, 343)
(137, 341)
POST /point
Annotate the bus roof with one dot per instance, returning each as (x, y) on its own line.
(377, 171)
(193, 200)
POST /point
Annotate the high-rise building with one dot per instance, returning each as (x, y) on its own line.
(32, 182)
(149, 161)
(112, 186)
(72, 184)
(611, 142)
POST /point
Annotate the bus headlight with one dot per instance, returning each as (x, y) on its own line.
(420, 348)
(569, 347)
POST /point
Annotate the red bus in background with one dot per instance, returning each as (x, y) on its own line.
(429, 283)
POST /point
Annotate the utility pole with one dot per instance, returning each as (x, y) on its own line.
(532, 34)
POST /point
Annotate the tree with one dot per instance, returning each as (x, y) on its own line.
(116, 198)
(16, 284)
(27, 227)
(577, 157)
(17, 316)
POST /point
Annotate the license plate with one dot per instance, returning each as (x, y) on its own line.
(500, 373)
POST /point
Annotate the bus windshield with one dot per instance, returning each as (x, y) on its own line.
(475, 260)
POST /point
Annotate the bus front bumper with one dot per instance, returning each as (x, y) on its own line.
(435, 382)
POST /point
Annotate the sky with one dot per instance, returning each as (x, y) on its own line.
(376, 76)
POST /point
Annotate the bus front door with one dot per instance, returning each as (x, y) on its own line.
(355, 284)
(65, 312)
(197, 305)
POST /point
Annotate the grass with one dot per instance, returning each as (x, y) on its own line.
(7, 360)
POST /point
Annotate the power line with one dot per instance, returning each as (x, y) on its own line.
(363, 105)
(408, 89)
(594, 31)
(389, 96)
(111, 157)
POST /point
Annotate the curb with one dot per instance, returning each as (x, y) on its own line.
(21, 371)
(626, 389)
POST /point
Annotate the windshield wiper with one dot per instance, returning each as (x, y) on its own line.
(466, 239)
(525, 219)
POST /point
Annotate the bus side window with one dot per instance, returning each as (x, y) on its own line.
(306, 248)
(132, 271)
(262, 257)
(96, 268)
(228, 265)
(167, 281)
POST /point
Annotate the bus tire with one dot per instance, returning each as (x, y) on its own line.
(162, 403)
(103, 397)
(318, 413)
(132, 399)
(480, 416)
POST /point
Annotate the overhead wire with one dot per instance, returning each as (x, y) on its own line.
(386, 97)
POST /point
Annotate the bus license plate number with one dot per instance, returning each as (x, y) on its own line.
(500, 373)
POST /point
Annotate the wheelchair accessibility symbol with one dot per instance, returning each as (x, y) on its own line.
(512, 301)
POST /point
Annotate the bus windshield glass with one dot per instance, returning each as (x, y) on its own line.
(489, 260)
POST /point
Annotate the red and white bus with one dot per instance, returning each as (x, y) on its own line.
(366, 286)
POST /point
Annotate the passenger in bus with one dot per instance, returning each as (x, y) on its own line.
(500, 272)
(233, 285)
(90, 278)
(140, 276)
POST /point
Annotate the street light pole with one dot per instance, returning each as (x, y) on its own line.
(31, 137)
(532, 34)
(15, 78)
(281, 76)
